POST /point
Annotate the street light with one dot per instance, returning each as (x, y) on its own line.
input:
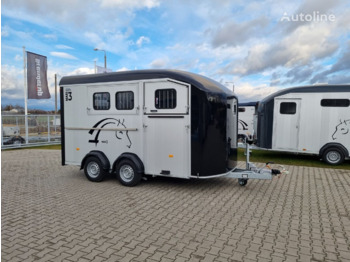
(96, 49)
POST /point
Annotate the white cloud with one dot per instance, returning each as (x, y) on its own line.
(18, 58)
(11, 82)
(63, 55)
(142, 40)
(130, 4)
(66, 47)
(247, 92)
(82, 71)
(159, 63)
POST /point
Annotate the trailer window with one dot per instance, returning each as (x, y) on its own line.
(335, 102)
(124, 100)
(288, 108)
(165, 99)
(101, 101)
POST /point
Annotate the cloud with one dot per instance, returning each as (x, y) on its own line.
(338, 72)
(159, 63)
(66, 47)
(63, 55)
(233, 33)
(247, 92)
(82, 71)
(304, 45)
(130, 4)
(142, 40)
(11, 82)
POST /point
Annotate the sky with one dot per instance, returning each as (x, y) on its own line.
(257, 46)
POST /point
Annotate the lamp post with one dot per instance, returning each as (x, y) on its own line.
(96, 49)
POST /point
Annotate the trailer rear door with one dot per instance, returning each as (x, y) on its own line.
(167, 131)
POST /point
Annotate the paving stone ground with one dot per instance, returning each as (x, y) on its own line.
(53, 213)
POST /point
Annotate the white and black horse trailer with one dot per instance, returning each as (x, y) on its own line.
(310, 120)
(150, 122)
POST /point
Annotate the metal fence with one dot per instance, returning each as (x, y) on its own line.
(42, 130)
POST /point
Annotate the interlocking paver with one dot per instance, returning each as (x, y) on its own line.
(53, 213)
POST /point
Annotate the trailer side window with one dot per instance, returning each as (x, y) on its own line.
(335, 102)
(165, 99)
(124, 100)
(288, 108)
(101, 101)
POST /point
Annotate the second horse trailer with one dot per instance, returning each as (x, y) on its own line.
(311, 120)
(151, 122)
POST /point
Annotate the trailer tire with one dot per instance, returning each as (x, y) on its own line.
(333, 156)
(127, 173)
(93, 169)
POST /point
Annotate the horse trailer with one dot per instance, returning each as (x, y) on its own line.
(151, 122)
(246, 112)
(310, 120)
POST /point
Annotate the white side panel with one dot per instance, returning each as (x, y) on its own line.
(318, 125)
(111, 131)
(286, 126)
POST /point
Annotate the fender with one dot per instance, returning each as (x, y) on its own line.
(101, 156)
(337, 145)
(132, 157)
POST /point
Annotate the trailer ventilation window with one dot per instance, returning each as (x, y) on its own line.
(165, 99)
(124, 100)
(101, 101)
(335, 102)
(288, 108)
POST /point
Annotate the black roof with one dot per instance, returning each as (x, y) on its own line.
(308, 89)
(199, 81)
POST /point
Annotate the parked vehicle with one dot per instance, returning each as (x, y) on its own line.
(310, 120)
(151, 122)
(246, 113)
(11, 136)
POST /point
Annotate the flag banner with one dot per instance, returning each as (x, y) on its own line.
(37, 76)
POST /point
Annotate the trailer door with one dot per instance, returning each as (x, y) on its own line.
(286, 124)
(167, 129)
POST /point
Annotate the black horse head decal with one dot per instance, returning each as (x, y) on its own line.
(110, 121)
(343, 128)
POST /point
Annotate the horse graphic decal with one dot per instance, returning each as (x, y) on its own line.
(110, 121)
(343, 128)
(244, 124)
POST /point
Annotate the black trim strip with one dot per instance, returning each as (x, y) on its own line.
(63, 148)
(166, 117)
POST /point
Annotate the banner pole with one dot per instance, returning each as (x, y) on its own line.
(25, 93)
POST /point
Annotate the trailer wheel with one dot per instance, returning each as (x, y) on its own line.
(93, 169)
(127, 173)
(333, 156)
(242, 181)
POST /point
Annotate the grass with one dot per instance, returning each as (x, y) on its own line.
(284, 158)
(263, 156)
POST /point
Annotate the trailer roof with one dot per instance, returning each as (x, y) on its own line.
(308, 89)
(199, 81)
